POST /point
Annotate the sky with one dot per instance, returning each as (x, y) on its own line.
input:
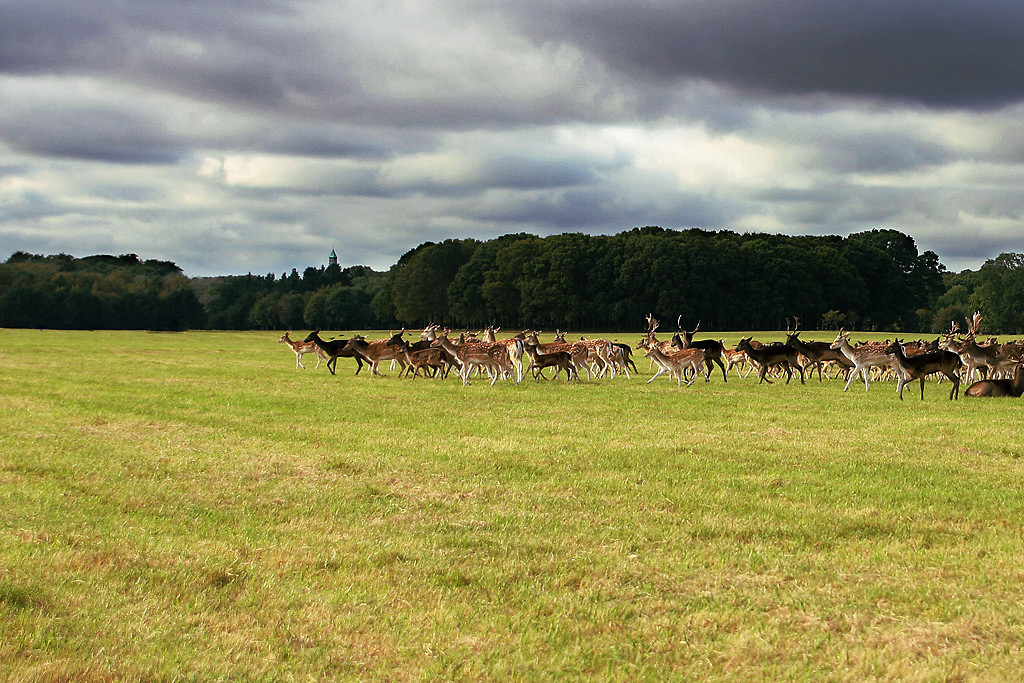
(235, 136)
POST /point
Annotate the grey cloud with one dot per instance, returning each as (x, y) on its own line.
(943, 53)
(91, 133)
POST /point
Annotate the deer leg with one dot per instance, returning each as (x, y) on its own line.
(718, 361)
(956, 385)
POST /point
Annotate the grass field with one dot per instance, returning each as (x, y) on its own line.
(192, 507)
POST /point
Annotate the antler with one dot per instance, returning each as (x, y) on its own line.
(694, 331)
(974, 324)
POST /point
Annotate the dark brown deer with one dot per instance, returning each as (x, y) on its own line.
(818, 353)
(924, 364)
(378, 350)
(712, 348)
(559, 360)
(770, 355)
(334, 349)
(999, 387)
(430, 360)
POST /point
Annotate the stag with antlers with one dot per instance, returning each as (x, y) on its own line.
(817, 353)
(712, 348)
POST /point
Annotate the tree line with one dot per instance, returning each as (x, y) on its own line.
(872, 280)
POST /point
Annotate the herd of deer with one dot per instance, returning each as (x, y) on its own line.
(957, 358)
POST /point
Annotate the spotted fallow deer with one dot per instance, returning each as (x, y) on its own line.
(493, 358)
(676, 363)
(863, 358)
(301, 348)
(712, 347)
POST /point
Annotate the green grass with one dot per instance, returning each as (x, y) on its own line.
(192, 507)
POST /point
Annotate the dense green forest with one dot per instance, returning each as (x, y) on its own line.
(870, 280)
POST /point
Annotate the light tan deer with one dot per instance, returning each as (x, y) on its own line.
(301, 348)
(863, 358)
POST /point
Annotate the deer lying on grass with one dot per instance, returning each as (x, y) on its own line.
(772, 355)
(924, 364)
(301, 348)
(999, 387)
(334, 349)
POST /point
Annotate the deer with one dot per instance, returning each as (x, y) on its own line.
(924, 364)
(999, 387)
(619, 356)
(514, 344)
(771, 355)
(735, 359)
(301, 348)
(863, 358)
(491, 357)
(600, 350)
(650, 340)
(712, 348)
(578, 350)
(817, 353)
(334, 349)
(677, 363)
(559, 360)
(428, 357)
(378, 350)
(625, 357)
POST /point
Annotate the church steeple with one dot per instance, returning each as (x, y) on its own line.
(332, 260)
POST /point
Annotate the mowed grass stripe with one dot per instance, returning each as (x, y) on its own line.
(192, 505)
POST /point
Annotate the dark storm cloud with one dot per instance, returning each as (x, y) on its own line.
(943, 53)
(199, 128)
